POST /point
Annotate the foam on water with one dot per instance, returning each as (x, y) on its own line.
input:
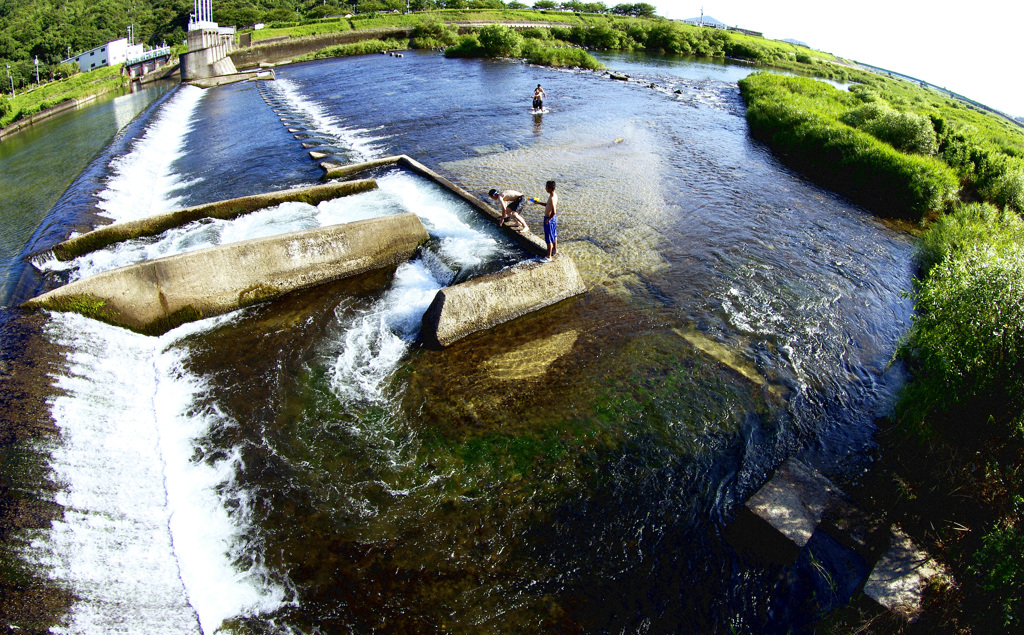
(142, 179)
(361, 145)
(145, 539)
(153, 537)
(398, 192)
(371, 345)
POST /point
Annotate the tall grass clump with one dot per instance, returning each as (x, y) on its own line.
(498, 40)
(433, 34)
(966, 345)
(803, 120)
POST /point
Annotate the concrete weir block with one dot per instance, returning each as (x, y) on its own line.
(494, 299)
(227, 209)
(793, 501)
(153, 297)
(901, 575)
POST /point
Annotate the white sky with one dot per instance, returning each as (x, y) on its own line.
(972, 48)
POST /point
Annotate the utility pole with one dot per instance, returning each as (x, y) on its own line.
(10, 78)
(37, 71)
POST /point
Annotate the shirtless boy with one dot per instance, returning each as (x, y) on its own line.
(550, 220)
(510, 200)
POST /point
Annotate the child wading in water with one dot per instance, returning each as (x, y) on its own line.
(550, 220)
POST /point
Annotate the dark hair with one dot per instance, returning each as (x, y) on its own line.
(493, 192)
(550, 185)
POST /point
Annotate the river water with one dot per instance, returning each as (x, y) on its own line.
(305, 466)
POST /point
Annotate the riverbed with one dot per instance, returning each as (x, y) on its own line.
(306, 466)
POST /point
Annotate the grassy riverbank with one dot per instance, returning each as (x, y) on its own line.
(951, 459)
(78, 86)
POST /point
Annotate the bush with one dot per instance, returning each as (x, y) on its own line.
(904, 131)
(537, 52)
(966, 344)
(801, 118)
(467, 46)
(356, 48)
(1000, 563)
(969, 225)
(434, 34)
(498, 40)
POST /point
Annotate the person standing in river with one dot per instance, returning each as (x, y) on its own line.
(509, 200)
(550, 220)
(538, 98)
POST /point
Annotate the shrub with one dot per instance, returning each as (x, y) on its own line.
(434, 34)
(800, 118)
(467, 46)
(967, 226)
(356, 48)
(498, 40)
(537, 52)
(904, 131)
(966, 344)
(1000, 563)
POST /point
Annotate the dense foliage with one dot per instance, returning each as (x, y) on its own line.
(534, 45)
(901, 159)
(964, 407)
(805, 120)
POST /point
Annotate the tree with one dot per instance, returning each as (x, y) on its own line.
(545, 4)
(498, 40)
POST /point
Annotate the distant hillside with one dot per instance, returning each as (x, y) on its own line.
(797, 43)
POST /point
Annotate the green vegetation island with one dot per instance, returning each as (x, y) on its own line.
(950, 469)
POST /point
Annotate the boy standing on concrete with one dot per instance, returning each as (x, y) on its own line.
(550, 220)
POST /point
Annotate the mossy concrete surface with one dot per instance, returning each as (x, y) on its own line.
(155, 296)
(228, 209)
(494, 299)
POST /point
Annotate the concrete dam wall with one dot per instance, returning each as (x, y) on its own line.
(155, 296)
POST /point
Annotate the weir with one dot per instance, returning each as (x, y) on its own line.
(155, 296)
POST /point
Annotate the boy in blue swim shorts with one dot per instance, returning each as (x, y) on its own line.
(550, 220)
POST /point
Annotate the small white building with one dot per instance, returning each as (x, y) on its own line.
(109, 54)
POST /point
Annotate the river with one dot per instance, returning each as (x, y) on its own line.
(305, 466)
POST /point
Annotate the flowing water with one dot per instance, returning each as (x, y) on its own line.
(305, 466)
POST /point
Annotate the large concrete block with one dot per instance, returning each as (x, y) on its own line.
(224, 210)
(901, 575)
(155, 296)
(494, 299)
(793, 501)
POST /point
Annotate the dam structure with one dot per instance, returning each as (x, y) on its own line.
(208, 46)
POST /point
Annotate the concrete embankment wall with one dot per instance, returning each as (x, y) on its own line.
(110, 234)
(155, 296)
(42, 115)
(487, 301)
(283, 50)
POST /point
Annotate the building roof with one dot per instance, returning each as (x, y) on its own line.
(708, 20)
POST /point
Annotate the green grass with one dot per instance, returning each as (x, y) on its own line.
(806, 121)
(319, 27)
(356, 48)
(78, 86)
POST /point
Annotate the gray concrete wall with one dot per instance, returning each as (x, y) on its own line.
(290, 48)
(487, 301)
(207, 55)
(155, 296)
(226, 209)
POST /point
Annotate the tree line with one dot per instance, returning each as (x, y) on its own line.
(50, 31)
